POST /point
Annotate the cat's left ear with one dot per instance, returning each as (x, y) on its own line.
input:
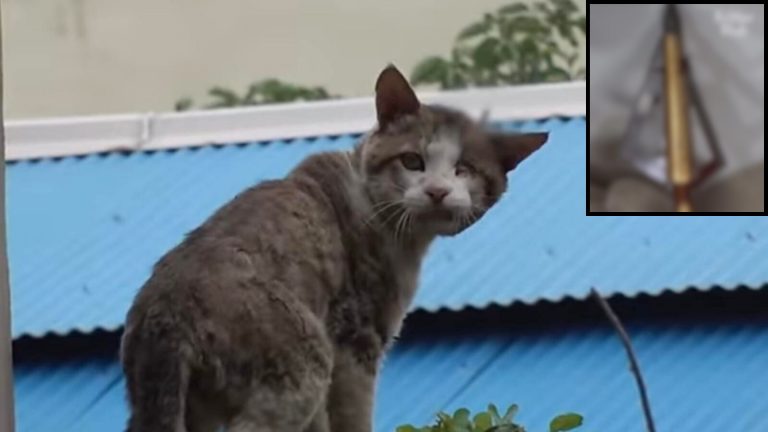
(514, 148)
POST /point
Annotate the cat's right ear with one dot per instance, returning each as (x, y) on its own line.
(514, 148)
(394, 97)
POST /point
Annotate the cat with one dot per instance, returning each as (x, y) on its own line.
(274, 314)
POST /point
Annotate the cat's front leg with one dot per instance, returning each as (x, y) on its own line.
(350, 402)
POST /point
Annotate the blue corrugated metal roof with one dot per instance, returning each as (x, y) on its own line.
(85, 231)
(701, 375)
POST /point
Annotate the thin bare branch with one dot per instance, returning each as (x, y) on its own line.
(634, 366)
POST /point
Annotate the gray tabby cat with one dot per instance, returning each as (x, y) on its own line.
(273, 315)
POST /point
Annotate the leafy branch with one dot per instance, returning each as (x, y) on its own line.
(519, 43)
(268, 91)
(490, 421)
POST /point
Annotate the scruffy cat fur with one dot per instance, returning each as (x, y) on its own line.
(274, 314)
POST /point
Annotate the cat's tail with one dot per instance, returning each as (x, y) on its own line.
(155, 362)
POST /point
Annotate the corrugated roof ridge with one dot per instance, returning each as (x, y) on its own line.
(609, 294)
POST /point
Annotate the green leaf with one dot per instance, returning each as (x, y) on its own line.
(429, 70)
(571, 59)
(461, 416)
(557, 74)
(473, 30)
(250, 96)
(565, 422)
(528, 24)
(529, 48)
(508, 428)
(226, 97)
(454, 78)
(444, 419)
(582, 24)
(513, 8)
(494, 414)
(486, 55)
(544, 8)
(406, 428)
(273, 90)
(507, 53)
(482, 422)
(511, 411)
(567, 32)
(565, 5)
(183, 104)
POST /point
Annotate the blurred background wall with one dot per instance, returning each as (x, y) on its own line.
(69, 57)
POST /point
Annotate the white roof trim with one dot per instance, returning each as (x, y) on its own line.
(69, 136)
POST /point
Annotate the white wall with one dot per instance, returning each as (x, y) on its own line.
(68, 57)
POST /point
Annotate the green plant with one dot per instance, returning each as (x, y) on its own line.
(516, 44)
(267, 91)
(490, 421)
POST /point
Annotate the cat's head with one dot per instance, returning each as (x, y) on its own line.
(430, 169)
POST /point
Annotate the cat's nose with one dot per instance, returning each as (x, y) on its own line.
(436, 193)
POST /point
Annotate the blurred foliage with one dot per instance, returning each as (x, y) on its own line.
(519, 43)
(516, 44)
(268, 91)
(490, 421)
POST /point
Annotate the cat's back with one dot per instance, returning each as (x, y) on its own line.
(278, 235)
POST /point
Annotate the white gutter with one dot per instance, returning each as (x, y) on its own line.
(67, 136)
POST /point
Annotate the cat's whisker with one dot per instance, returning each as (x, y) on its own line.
(476, 211)
(410, 222)
(384, 204)
(470, 217)
(382, 207)
(394, 214)
(458, 221)
(404, 225)
(397, 225)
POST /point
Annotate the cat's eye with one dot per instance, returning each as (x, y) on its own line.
(464, 169)
(412, 161)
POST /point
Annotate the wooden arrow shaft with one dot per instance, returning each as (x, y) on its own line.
(680, 167)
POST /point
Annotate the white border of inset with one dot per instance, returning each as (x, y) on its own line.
(69, 136)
